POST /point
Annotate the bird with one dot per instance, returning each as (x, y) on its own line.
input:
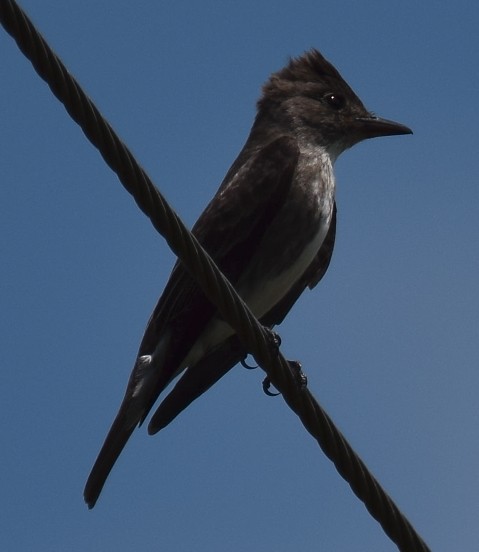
(270, 228)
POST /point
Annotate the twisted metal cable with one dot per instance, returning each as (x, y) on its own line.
(216, 287)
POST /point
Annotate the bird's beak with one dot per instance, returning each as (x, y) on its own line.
(372, 127)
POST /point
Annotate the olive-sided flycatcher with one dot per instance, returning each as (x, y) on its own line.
(270, 228)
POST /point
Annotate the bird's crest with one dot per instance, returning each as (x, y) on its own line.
(309, 69)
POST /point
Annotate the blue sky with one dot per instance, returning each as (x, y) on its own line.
(389, 340)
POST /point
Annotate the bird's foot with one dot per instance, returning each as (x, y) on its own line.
(275, 343)
(274, 339)
(300, 376)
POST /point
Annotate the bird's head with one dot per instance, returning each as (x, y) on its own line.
(309, 98)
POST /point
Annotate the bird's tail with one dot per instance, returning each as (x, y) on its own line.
(143, 389)
(114, 443)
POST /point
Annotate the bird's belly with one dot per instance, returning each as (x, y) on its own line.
(261, 297)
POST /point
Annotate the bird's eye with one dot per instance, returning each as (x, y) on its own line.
(336, 101)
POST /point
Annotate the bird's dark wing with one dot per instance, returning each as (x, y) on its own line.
(230, 229)
(199, 378)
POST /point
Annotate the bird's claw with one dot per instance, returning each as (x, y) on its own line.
(275, 343)
(300, 376)
(244, 364)
(266, 386)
